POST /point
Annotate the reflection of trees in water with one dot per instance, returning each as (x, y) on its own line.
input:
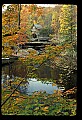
(16, 69)
(47, 72)
(69, 79)
(20, 70)
(5, 69)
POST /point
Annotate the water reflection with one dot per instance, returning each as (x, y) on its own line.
(35, 85)
(17, 69)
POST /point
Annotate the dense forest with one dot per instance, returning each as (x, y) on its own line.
(60, 25)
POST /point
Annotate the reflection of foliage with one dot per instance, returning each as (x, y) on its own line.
(62, 56)
(40, 103)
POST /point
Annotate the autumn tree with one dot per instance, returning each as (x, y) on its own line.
(9, 20)
(64, 55)
(68, 40)
(55, 23)
(68, 22)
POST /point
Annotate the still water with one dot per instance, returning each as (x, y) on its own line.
(35, 85)
(16, 69)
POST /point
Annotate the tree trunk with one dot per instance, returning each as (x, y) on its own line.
(19, 9)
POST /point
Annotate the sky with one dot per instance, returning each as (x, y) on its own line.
(47, 5)
(42, 5)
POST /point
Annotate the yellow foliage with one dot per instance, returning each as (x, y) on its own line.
(8, 51)
(55, 91)
(45, 109)
(18, 100)
(53, 84)
(14, 95)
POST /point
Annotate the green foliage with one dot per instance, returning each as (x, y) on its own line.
(46, 31)
(68, 22)
(39, 104)
(55, 23)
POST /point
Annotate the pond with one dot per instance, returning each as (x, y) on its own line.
(37, 86)
(47, 78)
